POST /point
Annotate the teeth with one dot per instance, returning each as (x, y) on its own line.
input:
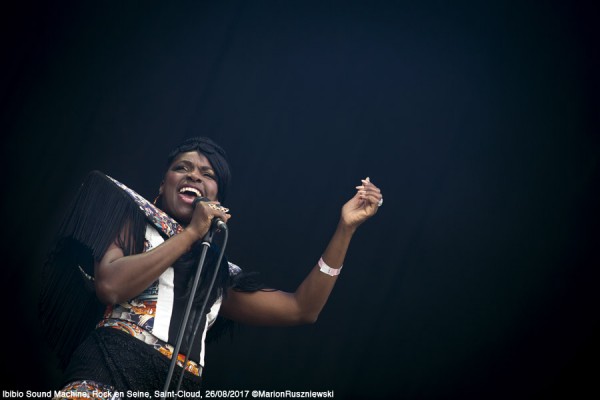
(190, 189)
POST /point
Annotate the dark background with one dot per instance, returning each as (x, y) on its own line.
(477, 278)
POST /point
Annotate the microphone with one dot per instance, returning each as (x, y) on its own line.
(216, 222)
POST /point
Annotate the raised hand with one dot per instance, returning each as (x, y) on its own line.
(363, 205)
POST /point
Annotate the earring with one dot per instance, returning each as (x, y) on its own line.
(156, 198)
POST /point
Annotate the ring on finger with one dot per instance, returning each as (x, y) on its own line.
(218, 207)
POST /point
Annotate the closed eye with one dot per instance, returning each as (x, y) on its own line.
(180, 168)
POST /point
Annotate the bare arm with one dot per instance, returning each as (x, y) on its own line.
(304, 305)
(119, 278)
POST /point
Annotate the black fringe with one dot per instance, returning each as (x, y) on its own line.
(247, 282)
(241, 282)
(99, 214)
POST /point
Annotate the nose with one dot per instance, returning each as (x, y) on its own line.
(195, 176)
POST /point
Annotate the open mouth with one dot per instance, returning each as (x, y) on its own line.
(188, 194)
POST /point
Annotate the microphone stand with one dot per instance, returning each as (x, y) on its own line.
(199, 319)
(206, 242)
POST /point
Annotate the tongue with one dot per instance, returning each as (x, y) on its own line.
(187, 197)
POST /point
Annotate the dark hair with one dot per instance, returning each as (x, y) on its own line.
(215, 155)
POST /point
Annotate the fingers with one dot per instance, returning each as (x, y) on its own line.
(218, 211)
(203, 215)
(214, 210)
(369, 192)
(217, 207)
(367, 185)
(371, 198)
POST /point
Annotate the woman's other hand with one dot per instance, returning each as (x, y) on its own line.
(362, 206)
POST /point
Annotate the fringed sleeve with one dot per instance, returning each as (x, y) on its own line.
(100, 214)
(239, 281)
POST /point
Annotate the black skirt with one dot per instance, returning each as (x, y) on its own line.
(115, 358)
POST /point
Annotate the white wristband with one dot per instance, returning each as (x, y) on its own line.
(327, 269)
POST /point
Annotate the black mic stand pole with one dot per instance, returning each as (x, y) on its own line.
(206, 242)
(208, 293)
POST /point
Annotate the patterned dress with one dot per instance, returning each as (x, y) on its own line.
(152, 317)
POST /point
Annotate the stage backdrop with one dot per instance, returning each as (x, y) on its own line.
(478, 276)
